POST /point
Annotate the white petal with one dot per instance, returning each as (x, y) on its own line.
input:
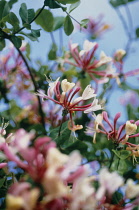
(66, 86)
(88, 45)
(88, 93)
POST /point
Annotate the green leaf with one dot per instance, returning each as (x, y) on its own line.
(16, 41)
(122, 154)
(6, 10)
(84, 23)
(2, 182)
(2, 5)
(74, 6)
(64, 134)
(27, 26)
(58, 23)
(33, 36)
(13, 20)
(67, 1)
(77, 145)
(23, 12)
(52, 53)
(117, 197)
(45, 20)
(51, 4)
(137, 32)
(68, 26)
(28, 50)
(2, 44)
(31, 15)
(117, 3)
(11, 2)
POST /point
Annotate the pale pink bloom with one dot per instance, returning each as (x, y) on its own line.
(109, 183)
(22, 196)
(96, 27)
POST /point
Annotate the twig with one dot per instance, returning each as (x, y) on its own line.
(31, 20)
(35, 85)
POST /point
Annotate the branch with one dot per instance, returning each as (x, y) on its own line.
(35, 86)
(31, 20)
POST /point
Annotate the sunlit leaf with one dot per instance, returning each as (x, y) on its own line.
(58, 23)
(74, 6)
(45, 20)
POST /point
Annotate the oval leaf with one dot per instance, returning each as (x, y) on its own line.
(45, 20)
(68, 26)
(16, 41)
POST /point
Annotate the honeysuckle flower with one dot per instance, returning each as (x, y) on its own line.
(109, 183)
(117, 135)
(103, 59)
(96, 27)
(119, 54)
(21, 196)
(86, 61)
(66, 100)
(130, 128)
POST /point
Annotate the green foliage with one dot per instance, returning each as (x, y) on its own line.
(11, 2)
(27, 15)
(58, 22)
(45, 20)
(13, 20)
(117, 3)
(67, 1)
(52, 52)
(74, 6)
(33, 36)
(16, 41)
(84, 23)
(52, 4)
(2, 44)
(68, 25)
(4, 9)
(122, 154)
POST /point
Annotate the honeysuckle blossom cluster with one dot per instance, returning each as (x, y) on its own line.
(87, 62)
(59, 181)
(96, 27)
(121, 135)
(63, 93)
